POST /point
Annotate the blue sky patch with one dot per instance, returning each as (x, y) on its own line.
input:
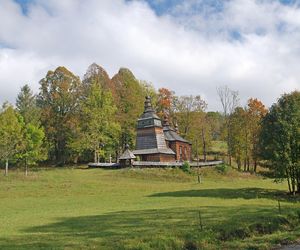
(24, 5)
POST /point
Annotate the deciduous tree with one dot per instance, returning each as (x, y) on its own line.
(165, 103)
(185, 106)
(280, 139)
(130, 96)
(98, 128)
(229, 100)
(10, 134)
(59, 99)
(256, 111)
(32, 149)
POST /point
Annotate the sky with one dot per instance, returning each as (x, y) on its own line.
(189, 46)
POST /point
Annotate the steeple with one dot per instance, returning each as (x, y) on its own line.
(148, 118)
(148, 105)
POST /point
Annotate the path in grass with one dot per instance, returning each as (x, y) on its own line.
(142, 209)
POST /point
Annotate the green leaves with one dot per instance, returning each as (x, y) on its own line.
(98, 128)
(280, 139)
(26, 106)
(59, 101)
(32, 146)
(11, 125)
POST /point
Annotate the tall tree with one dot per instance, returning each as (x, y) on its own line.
(239, 141)
(99, 129)
(200, 133)
(229, 100)
(96, 74)
(165, 103)
(33, 147)
(130, 102)
(185, 106)
(280, 139)
(256, 111)
(10, 134)
(191, 118)
(59, 99)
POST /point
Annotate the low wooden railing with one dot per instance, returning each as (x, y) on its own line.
(155, 164)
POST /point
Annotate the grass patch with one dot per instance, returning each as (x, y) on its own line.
(77, 208)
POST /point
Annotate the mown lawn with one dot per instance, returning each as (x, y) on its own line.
(144, 209)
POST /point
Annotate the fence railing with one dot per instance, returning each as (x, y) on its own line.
(155, 164)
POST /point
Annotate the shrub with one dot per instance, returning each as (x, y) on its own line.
(186, 167)
(229, 234)
(222, 168)
(190, 245)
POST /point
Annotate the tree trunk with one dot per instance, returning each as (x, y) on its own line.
(248, 164)
(288, 179)
(95, 155)
(228, 143)
(26, 168)
(289, 184)
(239, 163)
(229, 150)
(98, 157)
(298, 179)
(204, 144)
(6, 167)
(117, 155)
(293, 179)
(293, 184)
(255, 166)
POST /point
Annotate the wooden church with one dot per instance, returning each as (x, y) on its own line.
(159, 142)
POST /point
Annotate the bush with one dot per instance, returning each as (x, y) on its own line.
(186, 167)
(230, 234)
(222, 168)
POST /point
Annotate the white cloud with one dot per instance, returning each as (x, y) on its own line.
(187, 51)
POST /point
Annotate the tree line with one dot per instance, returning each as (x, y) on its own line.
(256, 135)
(73, 120)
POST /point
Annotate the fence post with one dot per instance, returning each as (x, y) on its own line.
(279, 207)
(200, 221)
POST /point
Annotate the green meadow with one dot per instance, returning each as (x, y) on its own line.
(78, 208)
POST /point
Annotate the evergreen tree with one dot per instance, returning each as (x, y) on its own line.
(27, 107)
(33, 147)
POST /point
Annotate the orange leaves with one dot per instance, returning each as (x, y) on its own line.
(164, 102)
(165, 98)
(256, 108)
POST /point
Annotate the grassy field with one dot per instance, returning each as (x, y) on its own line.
(73, 208)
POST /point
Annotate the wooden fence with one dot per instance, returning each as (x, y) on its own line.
(153, 164)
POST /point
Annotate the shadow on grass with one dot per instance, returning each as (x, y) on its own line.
(227, 193)
(154, 229)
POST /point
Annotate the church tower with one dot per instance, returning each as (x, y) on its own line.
(150, 142)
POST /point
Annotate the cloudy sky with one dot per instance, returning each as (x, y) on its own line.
(189, 46)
